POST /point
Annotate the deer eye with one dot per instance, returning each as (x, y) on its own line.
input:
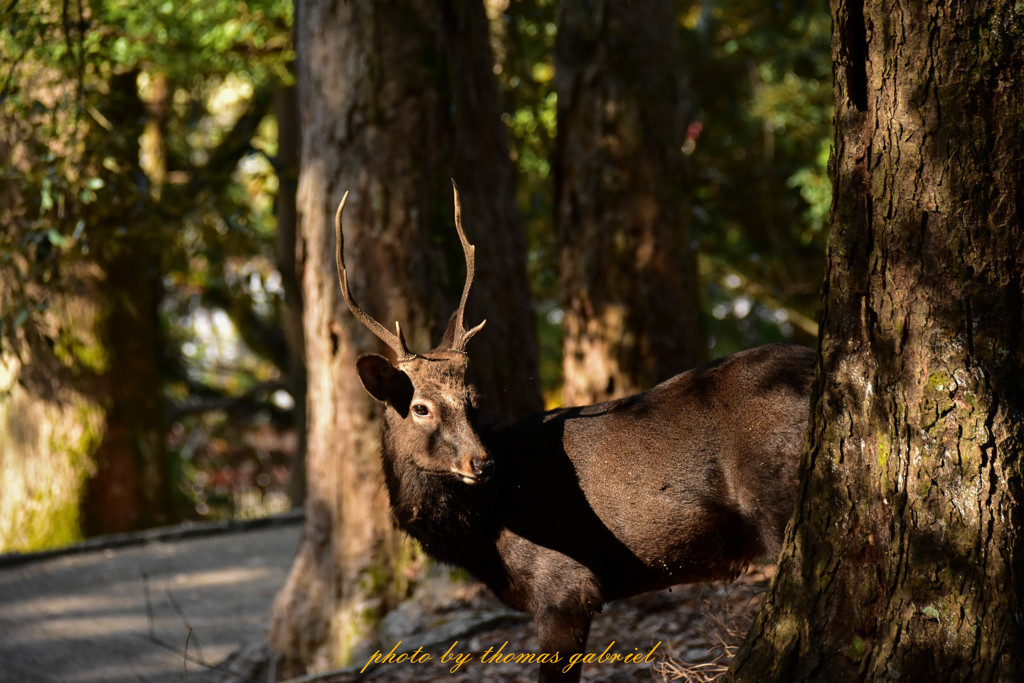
(420, 410)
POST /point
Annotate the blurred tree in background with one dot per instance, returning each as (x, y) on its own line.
(756, 82)
(627, 267)
(137, 225)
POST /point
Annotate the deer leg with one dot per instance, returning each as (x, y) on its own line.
(563, 630)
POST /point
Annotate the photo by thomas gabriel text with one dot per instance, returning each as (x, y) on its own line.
(500, 655)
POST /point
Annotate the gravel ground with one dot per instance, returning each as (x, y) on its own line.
(688, 633)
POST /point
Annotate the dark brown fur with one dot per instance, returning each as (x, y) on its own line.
(562, 511)
(685, 482)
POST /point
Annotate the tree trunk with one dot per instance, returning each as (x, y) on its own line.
(904, 559)
(395, 99)
(49, 428)
(628, 273)
(286, 256)
(129, 488)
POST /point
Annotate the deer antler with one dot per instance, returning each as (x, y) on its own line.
(395, 341)
(459, 335)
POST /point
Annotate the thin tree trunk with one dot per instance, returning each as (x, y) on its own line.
(905, 558)
(393, 99)
(628, 273)
(286, 256)
(129, 488)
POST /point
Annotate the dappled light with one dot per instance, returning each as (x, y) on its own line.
(116, 613)
(140, 260)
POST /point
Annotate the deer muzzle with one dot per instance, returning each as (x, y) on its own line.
(475, 468)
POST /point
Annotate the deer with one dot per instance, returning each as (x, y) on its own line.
(562, 511)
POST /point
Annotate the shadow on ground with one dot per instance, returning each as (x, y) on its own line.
(142, 608)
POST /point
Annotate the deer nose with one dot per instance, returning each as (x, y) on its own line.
(474, 467)
(482, 466)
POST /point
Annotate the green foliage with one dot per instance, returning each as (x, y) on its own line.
(759, 140)
(191, 39)
(140, 133)
(62, 59)
(525, 36)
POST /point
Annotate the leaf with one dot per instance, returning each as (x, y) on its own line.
(45, 199)
(56, 239)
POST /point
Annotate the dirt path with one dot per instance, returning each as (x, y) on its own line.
(124, 613)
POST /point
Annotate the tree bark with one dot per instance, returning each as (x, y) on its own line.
(628, 273)
(904, 558)
(395, 99)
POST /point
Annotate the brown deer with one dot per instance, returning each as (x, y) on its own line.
(565, 510)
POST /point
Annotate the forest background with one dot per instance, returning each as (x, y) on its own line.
(151, 337)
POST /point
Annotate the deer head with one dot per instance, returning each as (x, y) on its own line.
(429, 404)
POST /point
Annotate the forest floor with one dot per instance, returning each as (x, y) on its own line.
(464, 635)
(180, 606)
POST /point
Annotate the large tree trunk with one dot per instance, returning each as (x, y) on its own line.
(905, 558)
(628, 273)
(395, 99)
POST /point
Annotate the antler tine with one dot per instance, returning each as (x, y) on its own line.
(462, 336)
(395, 341)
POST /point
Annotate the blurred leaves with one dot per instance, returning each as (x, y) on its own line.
(760, 74)
(142, 132)
(219, 59)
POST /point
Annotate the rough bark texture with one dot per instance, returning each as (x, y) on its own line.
(904, 559)
(395, 98)
(627, 267)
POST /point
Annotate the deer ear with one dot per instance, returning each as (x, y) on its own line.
(385, 382)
